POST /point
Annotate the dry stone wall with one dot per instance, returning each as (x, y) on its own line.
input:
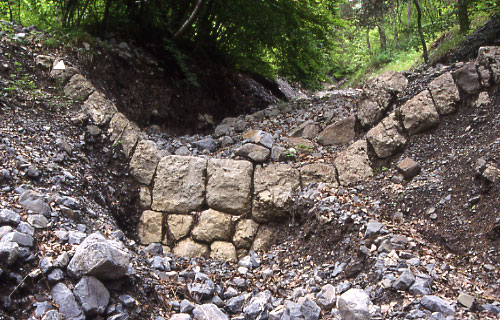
(200, 206)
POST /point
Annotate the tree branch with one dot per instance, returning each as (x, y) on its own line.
(189, 21)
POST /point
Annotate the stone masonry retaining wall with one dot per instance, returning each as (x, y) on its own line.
(200, 206)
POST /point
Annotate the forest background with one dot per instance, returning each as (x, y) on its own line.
(306, 41)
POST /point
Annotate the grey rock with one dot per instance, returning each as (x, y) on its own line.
(101, 110)
(254, 152)
(9, 251)
(52, 315)
(5, 230)
(180, 316)
(310, 310)
(421, 286)
(25, 228)
(373, 227)
(206, 144)
(96, 256)
(9, 217)
(491, 308)
(353, 305)
(257, 307)
(92, 295)
(444, 93)
(222, 130)
(42, 308)
(75, 237)
(127, 300)
(78, 87)
(386, 138)
(186, 306)
(38, 221)
(202, 288)
(64, 298)
(467, 78)
(404, 281)
(327, 297)
(437, 304)
(235, 304)
(55, 276)
(292, 311)
(34, 202)
(466, 300)
(208, 311)
(183, 151)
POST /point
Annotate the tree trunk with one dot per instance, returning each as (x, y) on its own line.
(189, 21)
(408, 18)
(105, 18)
(463, 16)
(368, 41)
(383, 38)
(420, 32)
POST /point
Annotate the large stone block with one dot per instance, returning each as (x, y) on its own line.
(353, 164)
(150, 227)
(273, 186)
(144, 161)
(419, 113)
(264, 238)
(386, 137)
(245, 233)
(99, 109)
(489, 59)
(341, 132)
(221, 250)
(129, 138)
(213, 225)
(444, 93)
(117, 124)
(179, 185)
(319, 172)
(190, 249)
(179, 225)
(78, 87)
(229, 185)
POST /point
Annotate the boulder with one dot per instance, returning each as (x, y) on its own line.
(190, 249)
(353, 305)
(404, 281)
(92, 295)
(150, 227)
(273, 187)
(419, 113)
(319, 172)
(246, 229)
(9, 251)
(213, 225)
(253, 152)
(353, 164)
(64, 298)
(9, 217)
(179, 225)
(467, 78)
(259, 137)
(99, 109)
(78, 88)
(206, 144)
(98, 257)
(386, 137)
(310, 310)
(144, 161)
(445, 93)
(179, 184)
(369, 112)
(221, 250)
(229, 185)
(341, 132)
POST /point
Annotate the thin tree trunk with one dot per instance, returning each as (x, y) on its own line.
(189, 21)
(383, 38)
(420, 32)
(368, 44)
(105, 18)
(408, 18)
